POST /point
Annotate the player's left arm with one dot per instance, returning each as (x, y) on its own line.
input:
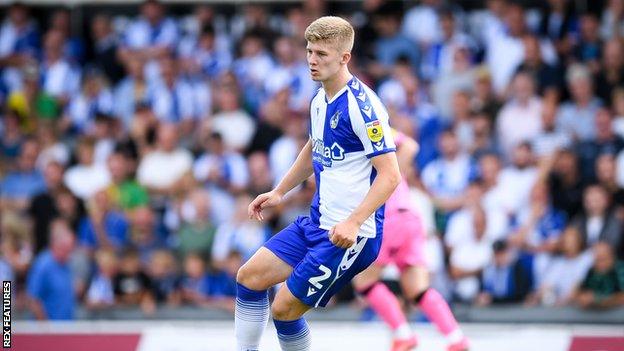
(388, 177)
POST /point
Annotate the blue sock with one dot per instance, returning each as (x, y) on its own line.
(251, 317)
(293, 335)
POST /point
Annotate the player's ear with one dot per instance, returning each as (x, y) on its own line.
(346, 57)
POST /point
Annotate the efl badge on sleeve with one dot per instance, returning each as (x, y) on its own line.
(333, 122)
(374, 131)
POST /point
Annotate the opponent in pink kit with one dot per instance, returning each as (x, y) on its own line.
(403, 245)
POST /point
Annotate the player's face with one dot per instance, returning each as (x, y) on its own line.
(325, 60)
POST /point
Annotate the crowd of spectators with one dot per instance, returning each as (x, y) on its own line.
(129, 152)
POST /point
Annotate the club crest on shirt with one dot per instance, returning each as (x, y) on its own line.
(333, 122)
(374, 131)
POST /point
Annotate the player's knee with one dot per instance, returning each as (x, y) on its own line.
(283, 311)
(248, 278)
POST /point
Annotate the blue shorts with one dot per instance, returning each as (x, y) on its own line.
(321, 269)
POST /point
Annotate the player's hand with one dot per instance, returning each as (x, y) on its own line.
(262, 201)
(344, 234)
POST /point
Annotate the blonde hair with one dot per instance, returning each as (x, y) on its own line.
(331, 29)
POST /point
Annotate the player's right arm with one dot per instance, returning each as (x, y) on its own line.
(407, 148)
(298, 172)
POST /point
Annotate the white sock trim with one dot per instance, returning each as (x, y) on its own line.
(403, 332)
(455, 336)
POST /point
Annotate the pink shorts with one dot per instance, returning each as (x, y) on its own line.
(403, 241)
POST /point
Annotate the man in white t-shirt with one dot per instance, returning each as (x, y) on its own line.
(163, 169)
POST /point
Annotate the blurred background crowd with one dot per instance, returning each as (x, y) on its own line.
(133, 140)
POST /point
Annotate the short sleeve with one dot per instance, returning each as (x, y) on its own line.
(35, 284)
(369, 120)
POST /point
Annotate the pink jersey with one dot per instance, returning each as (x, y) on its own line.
(400, 199)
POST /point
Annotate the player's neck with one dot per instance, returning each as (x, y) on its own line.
(333, 85)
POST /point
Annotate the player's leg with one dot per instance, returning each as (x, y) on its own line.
(324, 270)
(382, 300)
(415, 285)
(270, 265)
(292, 329)
(263, 270)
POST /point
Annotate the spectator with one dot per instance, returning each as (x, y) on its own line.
(132, 285)
(43, 208)
(518, 179)
(177, 161)
(447, 177)
(238, 234)
(94, 98)
(206, 52)
(459, 76)
(564, 182)
(547, 77)
(291, 74)
(16, 243)
(587, 49)
(565, 273)
(87, 177)
(550, 139)
(611, 73)
(504, 280)
(520, 118)
(605, 142)
(31, 104)
(440, 56)
(484, 99)
(421, 23)
(173, 98)
(558, 22)
(598, 222)
(606, 176)
(611, 26)
(494, 221)
(224, 173)
(124, 191)
(104, 227)
(252, 68)
(165, 281)
(284, 150)
(618, 111)
(100, 294)
(151, 36)
(261, 177)
(50, 284)
(468, 258)
(131, 92)
(489, 175)
(20, 185)
(231, 121)
(19, 43)
(391, 43)
(483, 140)
(505, 49)
(273, 115)
(540, 226)
(74, 49)
(576, 117)
(197, 232)
(52, 149)
(202, 289)
(12, 136)
(60, 78)
(603, 287)
(105, 48)
(145, 235)
(460, 118)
